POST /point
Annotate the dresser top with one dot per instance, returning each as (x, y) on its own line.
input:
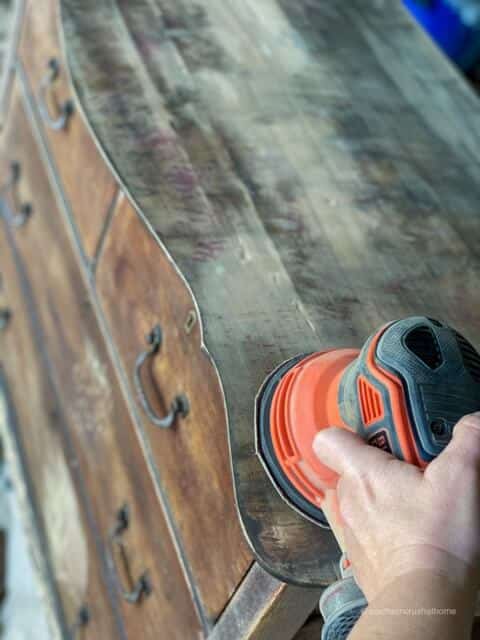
(310, 168)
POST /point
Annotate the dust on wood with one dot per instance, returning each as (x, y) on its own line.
(295, 161)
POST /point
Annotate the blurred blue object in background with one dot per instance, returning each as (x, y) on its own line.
(453, 24)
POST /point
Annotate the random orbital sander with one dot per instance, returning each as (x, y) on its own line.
(402, 392)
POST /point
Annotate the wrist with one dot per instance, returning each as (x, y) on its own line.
(433, 561)
(420, 604)
(428, 596)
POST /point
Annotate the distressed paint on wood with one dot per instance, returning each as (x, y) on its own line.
(287, 156)
(87, 182)
(28, 520)
(264, 608)
(190, 460)
(62, 525)
(98, 425)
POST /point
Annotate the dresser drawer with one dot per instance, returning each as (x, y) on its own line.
(134, 542)
(37, 427)
(87, 182)
(141, 292)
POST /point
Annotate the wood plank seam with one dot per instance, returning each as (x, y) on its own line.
(101, 241)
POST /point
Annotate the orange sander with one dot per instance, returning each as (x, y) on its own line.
(403, 392)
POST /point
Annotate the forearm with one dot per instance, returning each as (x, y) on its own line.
(418, 605)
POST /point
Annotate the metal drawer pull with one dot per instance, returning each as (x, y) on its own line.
(142, 586)
(5, 317)
(19, 218)
(83, 618)
(65, 110)
(179, 407)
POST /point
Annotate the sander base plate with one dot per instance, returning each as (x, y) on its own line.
(266, 452)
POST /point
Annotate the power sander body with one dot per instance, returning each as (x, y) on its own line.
(403, 392)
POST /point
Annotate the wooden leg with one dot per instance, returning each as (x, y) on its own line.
(264, 608)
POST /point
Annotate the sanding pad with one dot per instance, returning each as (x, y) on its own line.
(266, 451)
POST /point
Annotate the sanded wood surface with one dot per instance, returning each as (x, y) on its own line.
(88, 184)
(309, 166)
(98, 426)
(190, 460)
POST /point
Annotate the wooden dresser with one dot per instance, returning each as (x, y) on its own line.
(193, 192)
(136, 526)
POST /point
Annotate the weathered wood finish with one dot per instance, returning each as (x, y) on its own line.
(265, 609)
(69, 548)
(88, 184)
(99, 428)
(29, 520)
(286, 155)
(190, 460)
(284, 160)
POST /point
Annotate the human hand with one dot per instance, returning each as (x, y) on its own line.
(397, 519)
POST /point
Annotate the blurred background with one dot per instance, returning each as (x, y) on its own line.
(454, 25)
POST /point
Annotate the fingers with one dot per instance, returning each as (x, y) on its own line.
(345, 452)
(331, 510)
(465, 442)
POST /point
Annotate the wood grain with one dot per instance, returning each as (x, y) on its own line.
(68, 544)
(88, 184)
(295, 160)
(98, 425)
(190, 460)
(264, 608)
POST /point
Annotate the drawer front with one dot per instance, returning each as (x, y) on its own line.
(139, 289)
(38, 431)
(87, 182)
(141, 561)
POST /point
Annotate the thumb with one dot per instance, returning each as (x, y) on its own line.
(345, 452)
(465, 442)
